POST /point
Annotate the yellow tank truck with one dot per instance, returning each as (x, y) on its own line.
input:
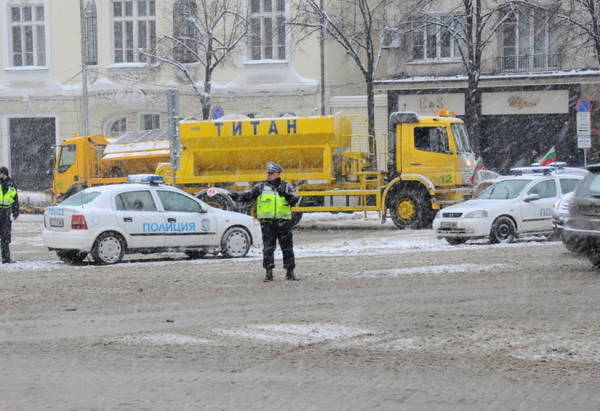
(331, 161)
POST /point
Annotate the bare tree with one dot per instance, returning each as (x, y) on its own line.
(205, 32)
(357, 26)
(584, 17)
(473, 25)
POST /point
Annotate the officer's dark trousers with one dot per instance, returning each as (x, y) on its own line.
(273, 231)
(5, 227)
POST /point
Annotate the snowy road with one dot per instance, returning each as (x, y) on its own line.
(382, 319)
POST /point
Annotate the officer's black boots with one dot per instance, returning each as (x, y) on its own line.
(269, 276)
(291, 276)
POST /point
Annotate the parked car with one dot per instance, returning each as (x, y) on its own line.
(559, 216)
(147, 217)
(582, 227)
(511, 207)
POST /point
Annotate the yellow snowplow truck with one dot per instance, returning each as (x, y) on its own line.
(422, 165)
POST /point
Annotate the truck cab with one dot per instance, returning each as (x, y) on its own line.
(77, 161)
(430, 163)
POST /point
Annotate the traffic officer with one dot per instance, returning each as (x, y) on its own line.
(9, 204)
(274, 201)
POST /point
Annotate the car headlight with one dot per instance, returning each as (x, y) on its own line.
(477, 214)
(437, 215)
(557, 203)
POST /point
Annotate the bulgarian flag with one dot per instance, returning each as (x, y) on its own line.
(549, 158)
(478, 166)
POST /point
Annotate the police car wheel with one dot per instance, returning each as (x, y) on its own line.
(235, 243)
(503, 230)
(71, 256)
(109, 248)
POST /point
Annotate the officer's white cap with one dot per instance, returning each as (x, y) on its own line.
(274, 168)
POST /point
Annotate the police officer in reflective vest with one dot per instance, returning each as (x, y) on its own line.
(274, 201)
(9, 204)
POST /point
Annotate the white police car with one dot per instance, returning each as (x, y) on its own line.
(147, 217)
(513, 206)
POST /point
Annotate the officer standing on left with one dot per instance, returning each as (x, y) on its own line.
(9, 204)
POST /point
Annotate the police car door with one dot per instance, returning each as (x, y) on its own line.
(536, 215)
(138, 215)
(188, 223)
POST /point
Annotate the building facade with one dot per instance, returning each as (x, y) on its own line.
(532, 74)
(48, 51)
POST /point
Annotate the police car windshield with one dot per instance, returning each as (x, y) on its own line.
(503, 190)
(81, 198)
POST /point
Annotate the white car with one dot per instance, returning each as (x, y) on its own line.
(513, 206)
(109, 221)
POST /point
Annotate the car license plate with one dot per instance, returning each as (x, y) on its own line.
(57, 222)
(448, 224)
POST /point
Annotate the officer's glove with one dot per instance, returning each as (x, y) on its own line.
(234, 196)
(281, 191)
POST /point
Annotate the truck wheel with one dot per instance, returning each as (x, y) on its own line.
(71, 256)
(218, 200)
(503, 230)
(409, 209)
(249, 209)
(235, 243)
(109, 248)
(455, 240)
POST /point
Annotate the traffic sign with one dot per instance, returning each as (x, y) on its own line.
(217, 112)
(584, 105)
(584, 142)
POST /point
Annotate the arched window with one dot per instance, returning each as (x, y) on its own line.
(90, 30)
(116, 127)
(184, 31)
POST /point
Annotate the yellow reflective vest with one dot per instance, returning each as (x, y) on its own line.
(272, 206)
(7, 199)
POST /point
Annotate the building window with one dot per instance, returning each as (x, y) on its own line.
(90, 30)
(134, 28)
(438, 38)
(28, 36)
(185, 31)
(150, 121)
(529, 43)
(267, 37)
(117, 127)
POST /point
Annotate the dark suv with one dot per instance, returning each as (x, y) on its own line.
(582, 227)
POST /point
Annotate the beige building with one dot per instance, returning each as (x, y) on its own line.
(43, 99)
(534, 70)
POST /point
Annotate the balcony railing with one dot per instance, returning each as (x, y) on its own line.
(527, 63)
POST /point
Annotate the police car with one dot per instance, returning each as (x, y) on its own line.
(144, 216)
(513, 206)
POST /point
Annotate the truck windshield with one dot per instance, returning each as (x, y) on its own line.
(67, 157)
(461, 138)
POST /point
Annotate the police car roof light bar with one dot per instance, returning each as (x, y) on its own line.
(151, 179)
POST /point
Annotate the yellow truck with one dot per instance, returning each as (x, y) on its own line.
(422, 165)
